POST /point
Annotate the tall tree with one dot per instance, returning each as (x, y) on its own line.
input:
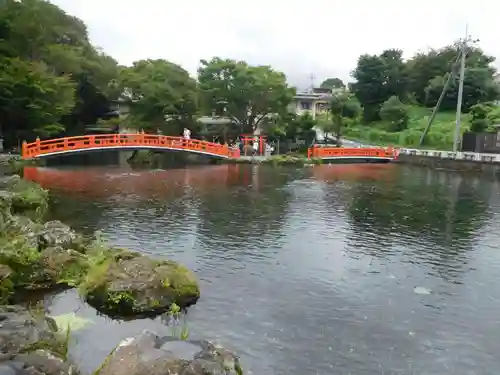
(161, 95)
(38, 35)
(32, 100)
(248, 94)
(343, 106)
(427, 74)
(378, 77)
(332, 83)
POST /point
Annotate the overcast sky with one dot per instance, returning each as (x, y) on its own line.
(299, 37)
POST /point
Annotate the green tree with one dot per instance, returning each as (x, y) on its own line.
(427, 74)
(342, 106)
(332, 83)
(395, 113)
(479, 87)
(302, 127)
(44, 38)
(32, 100)
(249, 94)
(161, 95)
(378, 77)
(480, 116)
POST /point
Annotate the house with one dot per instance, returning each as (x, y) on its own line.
(314, 102)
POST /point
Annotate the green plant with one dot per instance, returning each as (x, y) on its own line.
(98, 370)
(174, 319)
(59, 344)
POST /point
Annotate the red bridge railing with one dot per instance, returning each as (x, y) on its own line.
(342, 152)
(117, 141)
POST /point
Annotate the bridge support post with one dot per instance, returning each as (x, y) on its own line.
(37, 143)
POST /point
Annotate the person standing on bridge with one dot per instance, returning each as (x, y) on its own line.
(187, 133)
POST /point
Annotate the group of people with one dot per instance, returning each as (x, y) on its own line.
(268, 148)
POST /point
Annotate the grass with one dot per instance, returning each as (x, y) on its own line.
(440, 136)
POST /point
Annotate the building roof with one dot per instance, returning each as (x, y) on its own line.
(214, 120)
(312, 96)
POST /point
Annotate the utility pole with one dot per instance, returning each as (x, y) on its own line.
(462, 54)
(311, 78)
(464, 48)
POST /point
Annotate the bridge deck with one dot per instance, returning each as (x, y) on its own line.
(344, 153)
(70, 145)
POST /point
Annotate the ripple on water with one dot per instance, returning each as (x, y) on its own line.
(320, 272)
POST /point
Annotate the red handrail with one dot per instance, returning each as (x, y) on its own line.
(101, 141)
(339, 152)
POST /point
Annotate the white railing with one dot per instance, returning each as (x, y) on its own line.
(472, 156)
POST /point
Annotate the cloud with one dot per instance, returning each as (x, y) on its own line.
(321, 37)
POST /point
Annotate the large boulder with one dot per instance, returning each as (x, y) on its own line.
(59, 266)
(29, 344)
(22, 226)
(39, 362)
(41, 236)
(153, 355)
(21, 331)
(26, 195)
(32, 269)
(127, 284)
(54, 233)
(5, 206)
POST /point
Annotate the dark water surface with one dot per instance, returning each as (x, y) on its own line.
(347, 269)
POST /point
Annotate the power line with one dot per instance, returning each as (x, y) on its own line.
(464, 49)
(312, 77)
(463, 46)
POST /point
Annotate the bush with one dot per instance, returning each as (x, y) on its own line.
(479, 125)
(395, 114)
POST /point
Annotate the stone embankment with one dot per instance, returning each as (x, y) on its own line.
(42, 256)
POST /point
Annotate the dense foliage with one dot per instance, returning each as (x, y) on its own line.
(51, 77)
(420, 79)
(53, 81)
(161, 96)
(246, 94)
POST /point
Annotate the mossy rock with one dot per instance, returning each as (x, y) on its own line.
(286, 160)
(35, 269)
(60, 266)
(25, 195)
(6, 285)
(127, 284)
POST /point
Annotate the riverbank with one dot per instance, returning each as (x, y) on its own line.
(39, 256)
(14, 164)
(440, 136)
(275, 160)
(485, 165)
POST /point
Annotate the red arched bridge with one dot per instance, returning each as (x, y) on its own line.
(71, 145)
(377, 154)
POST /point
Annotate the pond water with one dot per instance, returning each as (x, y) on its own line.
(344, 269)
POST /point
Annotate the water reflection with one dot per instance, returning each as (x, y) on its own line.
(310, 271)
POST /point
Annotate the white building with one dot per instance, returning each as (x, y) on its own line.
(315, 102)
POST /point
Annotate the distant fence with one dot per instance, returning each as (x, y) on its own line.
(483, 143)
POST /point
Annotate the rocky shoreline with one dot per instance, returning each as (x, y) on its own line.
(276, 160)
(42, 256)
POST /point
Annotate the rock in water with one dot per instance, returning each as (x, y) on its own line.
(19, 329)
(21, 338)
(26, 195)
(55, 233)
(153, 355)
(130, 284)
